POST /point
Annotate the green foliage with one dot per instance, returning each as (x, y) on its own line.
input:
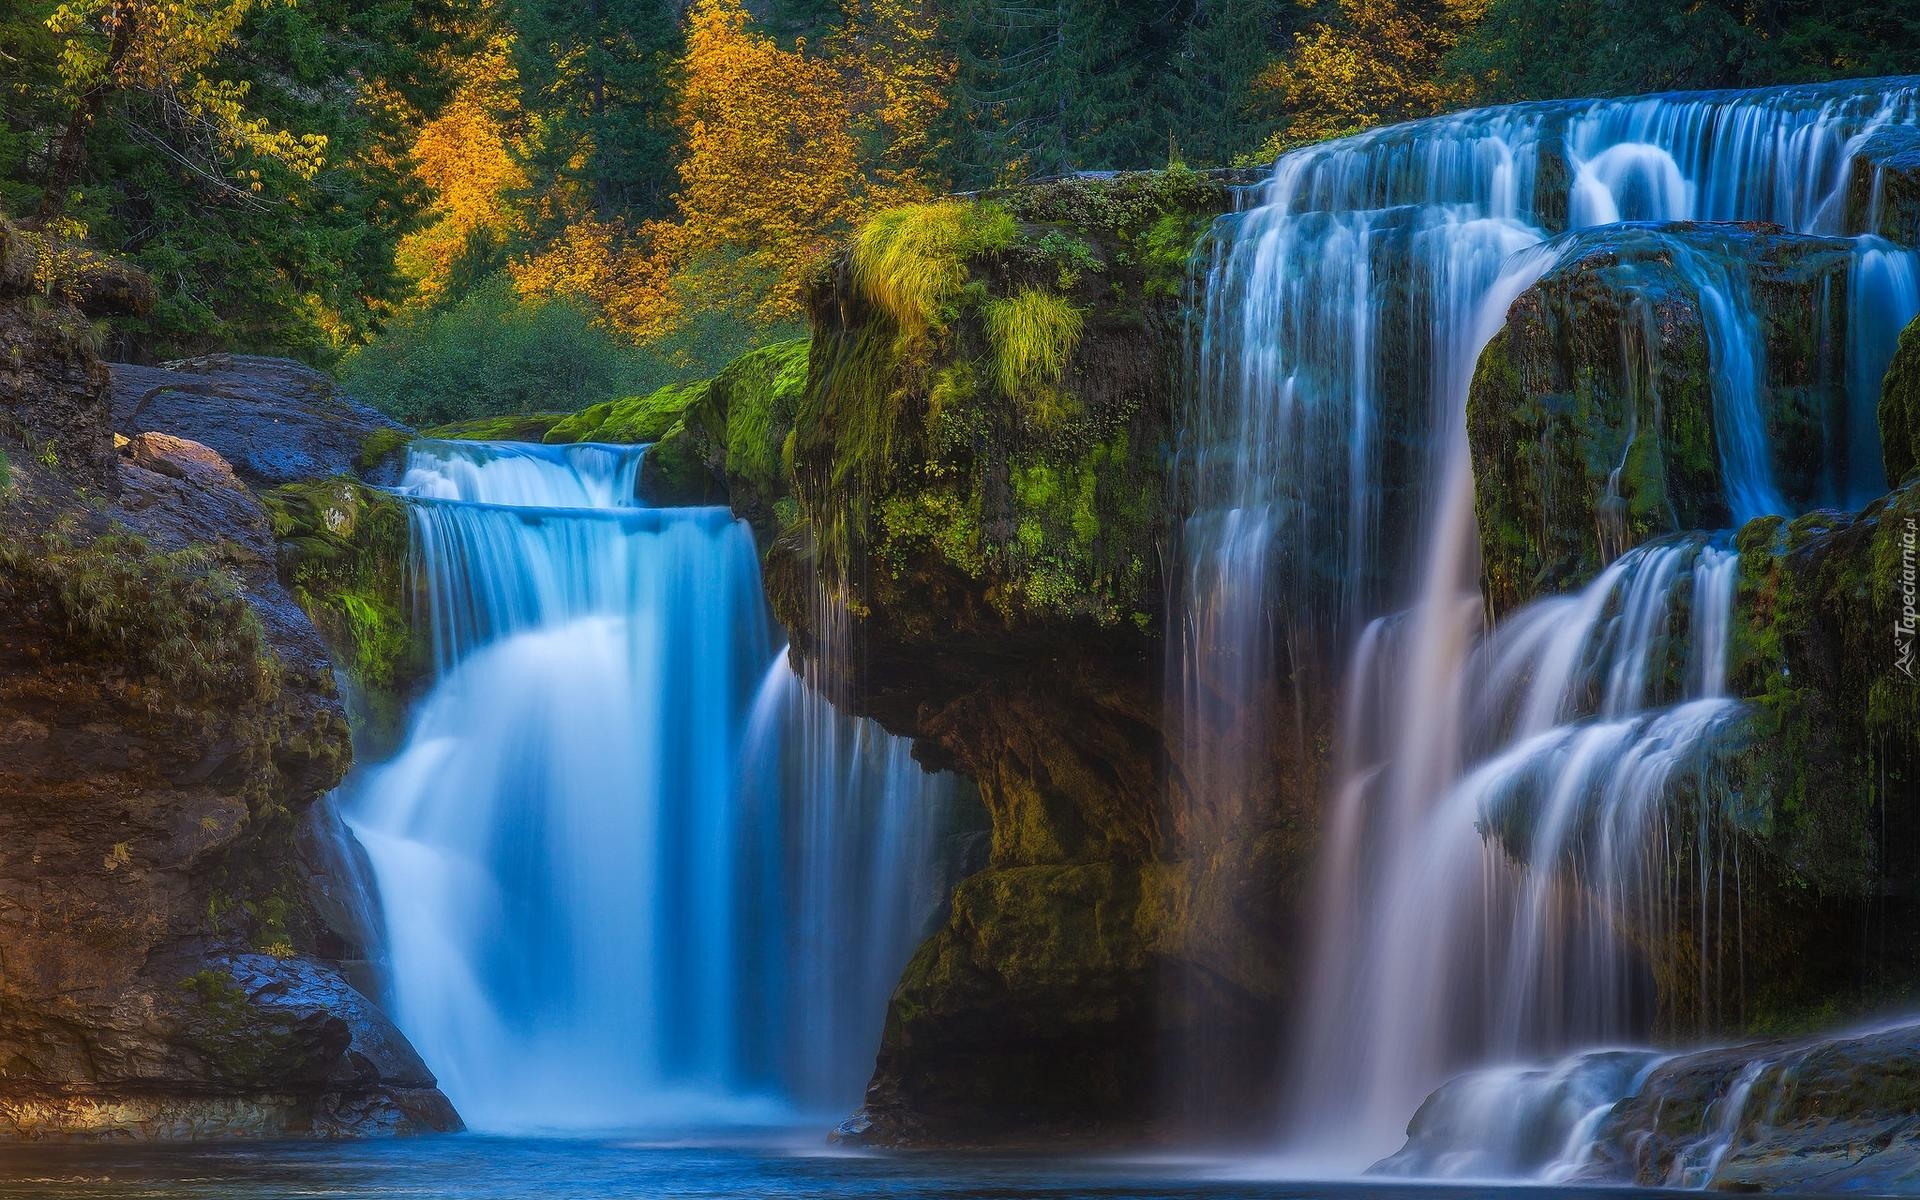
(491, 354)
(301, 265)
(912, 261)
(1049, 90)
(1032, 333)
(598, 76)
(1538, 49)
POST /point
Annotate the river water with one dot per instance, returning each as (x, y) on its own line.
(796, 1167)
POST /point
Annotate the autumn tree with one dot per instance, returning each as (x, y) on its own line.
(467, 156)
(1372, 62)
(167, 50)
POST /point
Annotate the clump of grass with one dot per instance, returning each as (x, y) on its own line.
(912, 261)
(1032, 334)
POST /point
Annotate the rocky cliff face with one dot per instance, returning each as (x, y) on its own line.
(168, 720)
(1592, 412)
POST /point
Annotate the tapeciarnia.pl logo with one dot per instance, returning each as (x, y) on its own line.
(1908, 619)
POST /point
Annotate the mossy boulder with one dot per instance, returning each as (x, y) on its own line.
(344, 555)
(1900, 407)
(988, 413)
(979, 468)
(518, 427)
(1591, 414)
(1883, 192)
(729, 444)
(628, 421)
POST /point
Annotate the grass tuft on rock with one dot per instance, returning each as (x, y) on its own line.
(1033, 332)
(912, 261)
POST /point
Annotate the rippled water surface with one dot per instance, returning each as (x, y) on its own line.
(482, 1168)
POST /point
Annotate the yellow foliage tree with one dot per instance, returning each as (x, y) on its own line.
(784, 152)
(1377, 62)
(899, 81)
(168, 49)
(466, 155)
(771, 160)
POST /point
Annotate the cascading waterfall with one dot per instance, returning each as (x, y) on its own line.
(1331, 518)
(597, 868)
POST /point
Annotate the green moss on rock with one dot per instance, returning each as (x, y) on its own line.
(344, 556)
(630, 421)
(521, 427)
(1900, 407)
(998, 458)
(1591, 413)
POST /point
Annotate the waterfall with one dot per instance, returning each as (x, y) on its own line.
(1330, 520)
(598, 871)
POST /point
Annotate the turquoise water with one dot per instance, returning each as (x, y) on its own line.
(468, 1167)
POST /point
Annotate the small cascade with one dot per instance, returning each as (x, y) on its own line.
(1574, 739)
(594, 862)
(1884, 298)
(1520, 1122)
(1698, 1162)
(1330, 519)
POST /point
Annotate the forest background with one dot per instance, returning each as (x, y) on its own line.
(467, 207)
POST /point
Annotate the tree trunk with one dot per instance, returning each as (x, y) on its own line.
(71, 156)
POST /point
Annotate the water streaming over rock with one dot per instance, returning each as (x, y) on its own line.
(1331, 521)
(620, 828)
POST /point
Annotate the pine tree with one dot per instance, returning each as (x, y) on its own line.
(596, 76)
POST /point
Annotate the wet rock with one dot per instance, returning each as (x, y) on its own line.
(1829, 1114)
(1591, 415)
(1883, 192)
(181, 459)
(1900, 407)
(276, 421)
(970, 552)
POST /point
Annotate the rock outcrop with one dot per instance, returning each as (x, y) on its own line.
(1592, 413)
(168, 720)
(965, 509)
(1883, 196)
(1592, 426)
(1839, 1113)
(275, 420)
